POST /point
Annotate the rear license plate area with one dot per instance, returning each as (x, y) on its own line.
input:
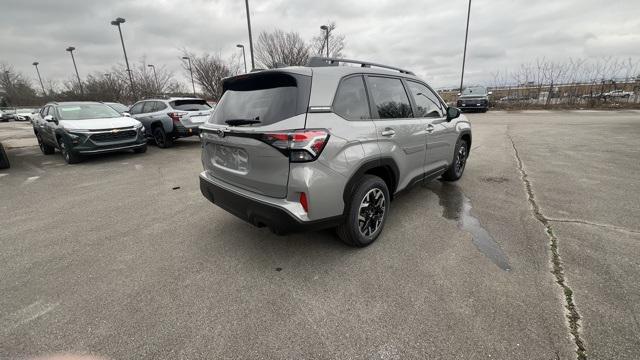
(229, 158)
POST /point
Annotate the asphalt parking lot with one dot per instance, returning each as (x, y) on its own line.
(121, 256)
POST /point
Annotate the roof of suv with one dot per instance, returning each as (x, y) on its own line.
(327, 77)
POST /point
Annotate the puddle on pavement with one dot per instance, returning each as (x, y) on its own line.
(456, 206)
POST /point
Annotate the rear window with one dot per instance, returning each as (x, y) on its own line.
(190, 105)
(267, 97)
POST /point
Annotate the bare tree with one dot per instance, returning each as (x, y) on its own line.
(18, 90)
(336, 42)
(279, 47)
(208, 72)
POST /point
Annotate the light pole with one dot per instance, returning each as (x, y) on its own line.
(155, 75)
(35, 63)
(191, 71)
(117, 23)
(464, 54)
(326, 29)
(253, 65)
(244, 57)
(70, 50)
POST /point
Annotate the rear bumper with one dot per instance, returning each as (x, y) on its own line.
(260, 213)
(180, 130)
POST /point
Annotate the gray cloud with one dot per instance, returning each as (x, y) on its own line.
(425, 36)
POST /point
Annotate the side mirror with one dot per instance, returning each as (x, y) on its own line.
(126, 114)
(50, 118)
(452, 113)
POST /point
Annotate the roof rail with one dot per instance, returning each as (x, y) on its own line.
(319, 61)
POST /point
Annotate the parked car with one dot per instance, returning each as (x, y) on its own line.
(474, 98)
(85, 128)
(168, 119)
(8, 114)
(303, 148)
(2, 116)
(25, 114)
(618, 94)
(120, 108)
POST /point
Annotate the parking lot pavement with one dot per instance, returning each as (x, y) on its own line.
(122, 256)
(17, 134)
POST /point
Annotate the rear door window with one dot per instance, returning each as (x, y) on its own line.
(160, 106)
(351, 99)
(190, 105)
(389, 97)
(148, 107)
(268, 97)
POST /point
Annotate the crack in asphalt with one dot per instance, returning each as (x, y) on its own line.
(585, 222)
(573, 316)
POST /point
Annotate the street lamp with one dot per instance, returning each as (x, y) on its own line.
(155, 75)
(253, 65)
(35, 63)
(191, 71)
(326, 29)
(117, 23)
(464, 54)
(70, 50)
(244, 57)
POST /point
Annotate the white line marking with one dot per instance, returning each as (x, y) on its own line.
(138, 167)
(30, 313)
(31, 179)
(1, 175)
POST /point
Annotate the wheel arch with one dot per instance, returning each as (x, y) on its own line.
(385, 168)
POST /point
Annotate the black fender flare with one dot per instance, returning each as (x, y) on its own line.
(384, 162)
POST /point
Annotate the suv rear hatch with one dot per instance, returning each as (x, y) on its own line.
(245, 140)
(190, 112)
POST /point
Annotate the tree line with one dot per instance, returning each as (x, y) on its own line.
(271, 49)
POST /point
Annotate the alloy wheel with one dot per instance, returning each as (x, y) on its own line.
(461, 159)
(371, 212)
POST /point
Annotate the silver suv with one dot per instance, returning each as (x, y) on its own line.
(168, 119)
(305, 148)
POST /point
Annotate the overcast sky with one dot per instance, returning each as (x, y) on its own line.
(425, 36)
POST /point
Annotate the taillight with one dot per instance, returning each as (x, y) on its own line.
(304, 202)
(176, 116)
(299, 145)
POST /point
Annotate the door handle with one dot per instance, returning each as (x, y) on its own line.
(388, 132)
(430, 128)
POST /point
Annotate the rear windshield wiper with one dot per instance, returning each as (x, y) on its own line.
(237, 122)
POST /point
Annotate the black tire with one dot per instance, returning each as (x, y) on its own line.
(141, 150)
(456, 169)
(4, 159)
(161, 138)
(70, 156)
(355, 230)
(46, 149)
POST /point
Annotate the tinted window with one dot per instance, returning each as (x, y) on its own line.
(148, 107)
(267, 97)
(351, 99)
(160, 106)
(475, 90)
(389, 98)
(190, 105)
(427, 103)
(136, 109)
